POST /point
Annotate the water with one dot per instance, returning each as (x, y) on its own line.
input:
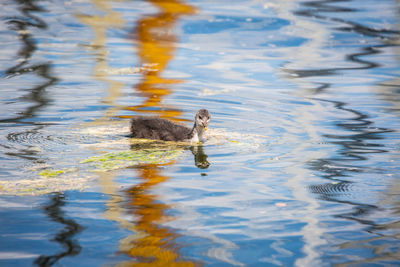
(301, 166)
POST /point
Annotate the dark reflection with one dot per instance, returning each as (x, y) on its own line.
(36, 98)
(200, 158)
(65, 237)
(314, 10)
(358, 145)
(22, 25)
(356, 58)
(361, 133)
(360, 140)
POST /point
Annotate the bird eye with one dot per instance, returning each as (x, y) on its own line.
(200, 117)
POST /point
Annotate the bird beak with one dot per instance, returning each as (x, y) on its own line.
(205, 123)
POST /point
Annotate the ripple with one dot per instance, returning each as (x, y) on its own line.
(34, 137)
(331, 189)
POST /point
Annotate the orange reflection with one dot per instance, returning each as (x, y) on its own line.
(156, 48)
(154, 244)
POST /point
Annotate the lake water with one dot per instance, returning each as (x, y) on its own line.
(302, 162)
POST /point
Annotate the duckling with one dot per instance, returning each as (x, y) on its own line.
(162, 129)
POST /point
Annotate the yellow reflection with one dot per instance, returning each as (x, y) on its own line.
(100, 24)
(156, 47)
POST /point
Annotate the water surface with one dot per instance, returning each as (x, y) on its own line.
(301, 165)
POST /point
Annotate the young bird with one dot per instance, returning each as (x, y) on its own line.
(162, 129)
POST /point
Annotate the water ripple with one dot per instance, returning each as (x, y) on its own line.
(332, 189)
(35, 137)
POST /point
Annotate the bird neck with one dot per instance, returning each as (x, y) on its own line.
(197, 133)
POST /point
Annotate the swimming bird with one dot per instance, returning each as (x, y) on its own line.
(162, 129)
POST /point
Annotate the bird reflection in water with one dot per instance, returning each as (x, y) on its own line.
(200, 158)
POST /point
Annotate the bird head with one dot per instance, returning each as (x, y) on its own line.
(202, 118)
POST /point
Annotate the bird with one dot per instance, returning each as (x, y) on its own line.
(162, 129)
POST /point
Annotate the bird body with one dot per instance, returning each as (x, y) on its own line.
(162, 129)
